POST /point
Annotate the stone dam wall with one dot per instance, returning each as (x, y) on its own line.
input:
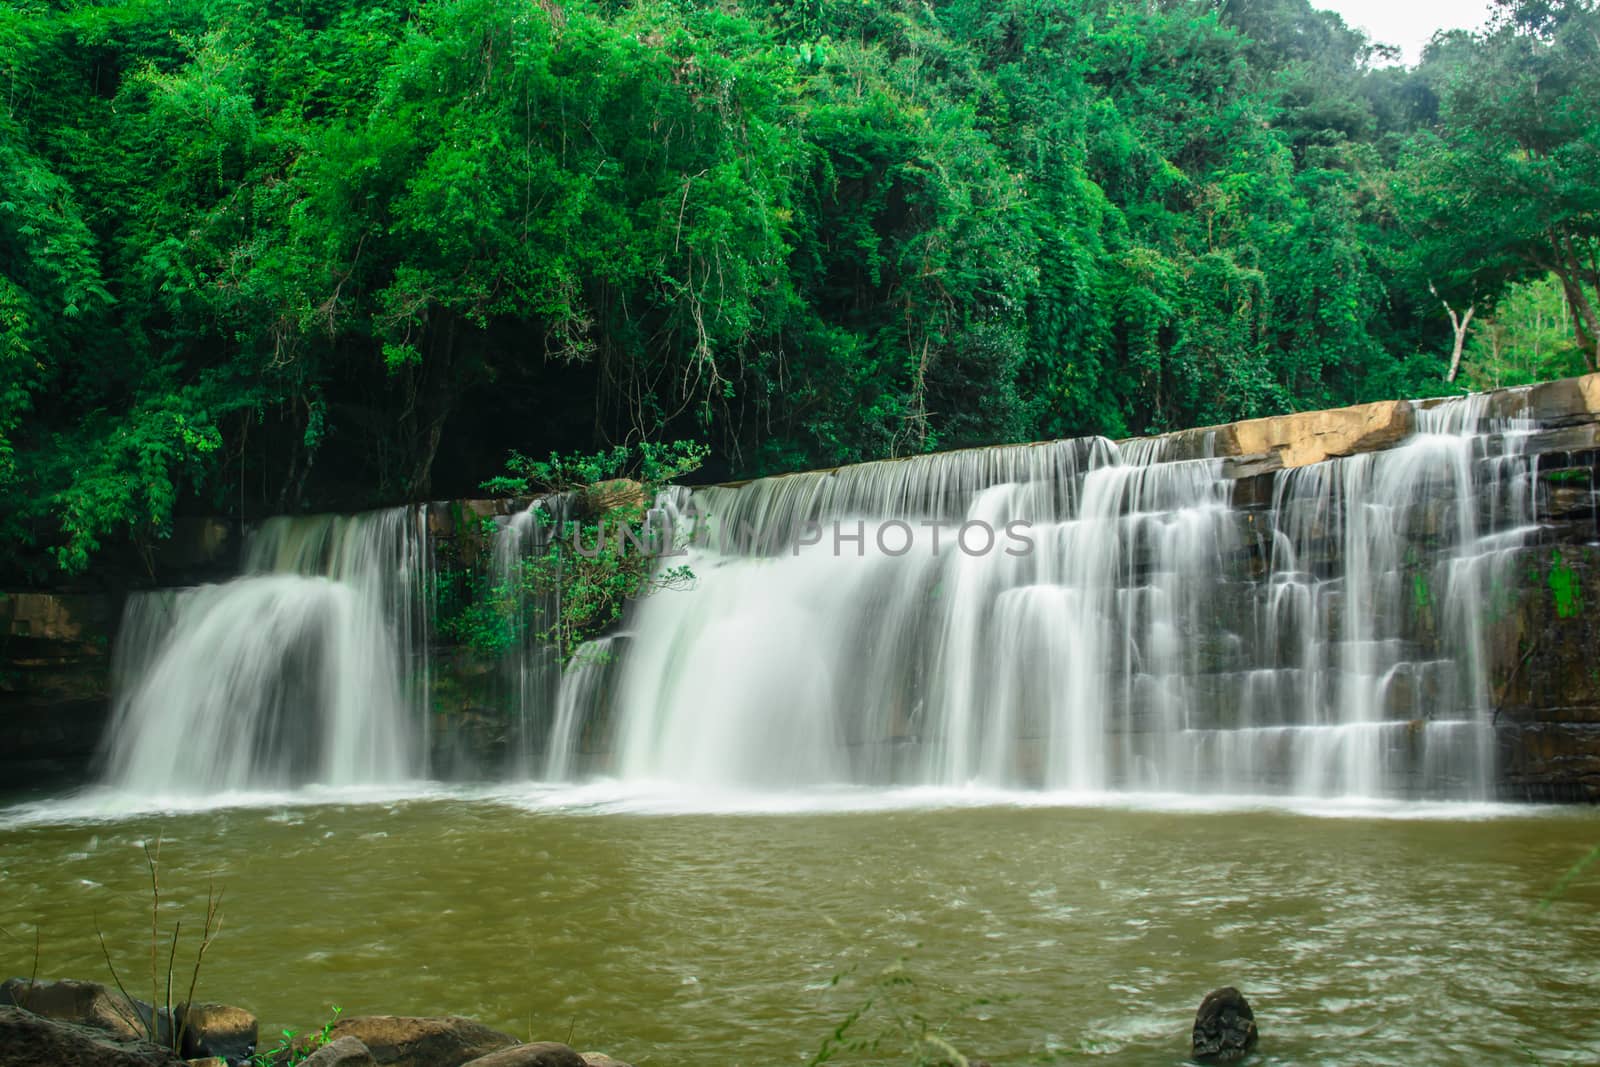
(1542, 630)
(1541, 626)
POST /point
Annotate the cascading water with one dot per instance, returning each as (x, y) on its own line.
(1075, 616)
(1370, 676)
(581, 696)
(549, 704)
(532, 666)
(310, 668)
(1148, 635)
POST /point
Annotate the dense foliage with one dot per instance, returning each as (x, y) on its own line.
(595, 547)
(269, 255)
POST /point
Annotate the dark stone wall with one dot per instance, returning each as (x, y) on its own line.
(1544, 672)
(55, 650)
(54, 683)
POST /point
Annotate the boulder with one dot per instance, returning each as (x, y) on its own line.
(1276, 442)
(342, 1052)
(600, 1059)
(217, 1030)
(1561, 402)
(30, 1040)
(83, 1003)
(533, 1054)
(1313, 436)
(1224, 1027)
(411, 1041)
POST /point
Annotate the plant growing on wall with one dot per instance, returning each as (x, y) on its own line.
(602, 550)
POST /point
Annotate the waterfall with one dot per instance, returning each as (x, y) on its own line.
(531, 668)
(1080, 616)
(580, 697)
(1088, 616)
(309, 668)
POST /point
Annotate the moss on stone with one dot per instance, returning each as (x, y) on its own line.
(1564, 587)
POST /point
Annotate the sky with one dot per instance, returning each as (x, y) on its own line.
(1408, 24)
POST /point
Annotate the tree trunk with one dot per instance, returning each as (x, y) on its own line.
(1569, 269)
(1460, 329)
(422, 469)
(1585, 321)
(1458, 325)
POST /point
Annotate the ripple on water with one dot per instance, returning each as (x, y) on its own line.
(741, 932)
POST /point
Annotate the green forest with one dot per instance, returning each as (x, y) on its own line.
(262, 256)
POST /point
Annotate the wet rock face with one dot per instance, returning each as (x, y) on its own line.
(1224, 1027)
(205, 1030)
(217, 1030)
(55, 683)
(600, 1059)
(81, 1003)
(29, 1040)
(1562, 402)
(409, 1041)
(534, 1054)
(1543, 677)
(1555, 761)
(345, 1052)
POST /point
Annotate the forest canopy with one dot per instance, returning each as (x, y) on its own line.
(279, 255)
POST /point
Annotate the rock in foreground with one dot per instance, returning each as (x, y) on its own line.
(1224, 1027)
(344, 1052)
(217, 1030)
(208, 1030)
(83, 1003)
(29, 1040)
(412, 1041)
(533, 1054)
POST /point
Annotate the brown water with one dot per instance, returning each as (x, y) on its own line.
(1030, 934)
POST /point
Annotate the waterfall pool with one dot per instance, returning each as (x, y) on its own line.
(671, 928)
(1342, 633)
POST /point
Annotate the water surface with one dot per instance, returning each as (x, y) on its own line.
(668, 933)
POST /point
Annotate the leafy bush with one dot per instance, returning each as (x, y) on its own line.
(586, 571)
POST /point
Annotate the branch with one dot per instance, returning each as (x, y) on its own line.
(153, 861)
(133, 1005)
(213, 927)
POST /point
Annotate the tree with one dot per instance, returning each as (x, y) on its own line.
(1504, 189)
(1459, 325)
(260, 256)
(1531, 338)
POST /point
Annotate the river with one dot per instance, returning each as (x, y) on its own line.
(1023, 928)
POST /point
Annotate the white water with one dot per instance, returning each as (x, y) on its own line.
(1138, 647)
(1154, 639)
(310, 668)
(581, 692)
(532, 668)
